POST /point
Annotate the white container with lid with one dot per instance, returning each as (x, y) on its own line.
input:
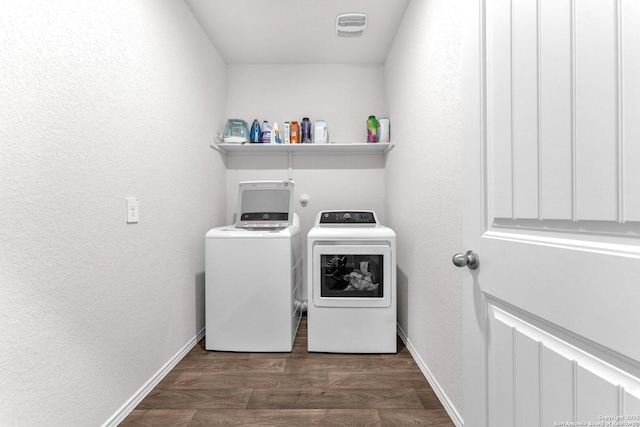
(383, 129)
(320, 134)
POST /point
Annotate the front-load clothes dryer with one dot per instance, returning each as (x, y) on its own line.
(253, 273)
(351, 284)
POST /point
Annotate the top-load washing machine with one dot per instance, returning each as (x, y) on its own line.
(351, 284)
(253, 277)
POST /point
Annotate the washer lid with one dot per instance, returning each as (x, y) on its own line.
(265, 204)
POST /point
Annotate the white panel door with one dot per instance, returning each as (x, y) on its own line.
(551, 140)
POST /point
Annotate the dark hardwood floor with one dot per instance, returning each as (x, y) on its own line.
(292, 389)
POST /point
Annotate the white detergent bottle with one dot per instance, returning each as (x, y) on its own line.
(275, 134)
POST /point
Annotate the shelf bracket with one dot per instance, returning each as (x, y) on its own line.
(290, 165)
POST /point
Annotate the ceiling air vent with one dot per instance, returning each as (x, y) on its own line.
(351, 24)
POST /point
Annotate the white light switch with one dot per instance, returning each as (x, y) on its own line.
(132, 210)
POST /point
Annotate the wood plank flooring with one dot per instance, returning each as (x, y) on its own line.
(292, 389)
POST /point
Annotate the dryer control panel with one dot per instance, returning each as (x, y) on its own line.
(348, 217)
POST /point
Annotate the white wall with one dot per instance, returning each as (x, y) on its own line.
(344, 96)
(423, 176)
(100, 101)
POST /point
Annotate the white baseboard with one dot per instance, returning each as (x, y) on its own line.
(137, 397)
(442, 396)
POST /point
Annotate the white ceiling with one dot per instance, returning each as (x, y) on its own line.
(297, 31)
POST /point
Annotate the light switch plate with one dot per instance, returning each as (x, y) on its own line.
(133, 213)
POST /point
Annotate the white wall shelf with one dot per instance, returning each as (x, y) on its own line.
(304, 149)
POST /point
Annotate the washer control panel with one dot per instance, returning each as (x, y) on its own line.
(348, 217)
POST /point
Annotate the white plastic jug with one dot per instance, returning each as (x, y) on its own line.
(383, 130)
(320, 134)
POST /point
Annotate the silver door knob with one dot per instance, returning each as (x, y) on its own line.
(470, 259)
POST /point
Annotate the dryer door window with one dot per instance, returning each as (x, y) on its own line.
(352, 276)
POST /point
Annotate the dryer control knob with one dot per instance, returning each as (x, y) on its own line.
(346, 216)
